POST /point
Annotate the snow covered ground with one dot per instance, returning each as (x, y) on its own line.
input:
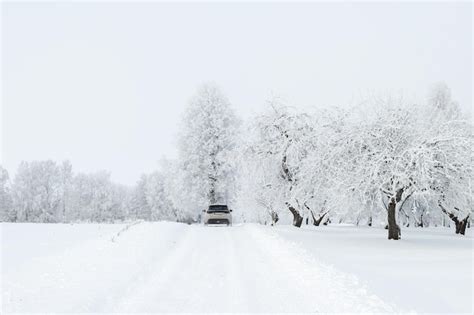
(166, 267)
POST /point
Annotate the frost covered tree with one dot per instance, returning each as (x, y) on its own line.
(260, 198)
(120, 198)
(161, 206)
(45, 191)
(66, 186)
(453, 177)
(139, 207)
(42, 192)
(7, 212)
(441, 101)
(37, 195)
(150, 200)
(450, 138)
(395, 151)
(381, 154)
(175, 186)
(206, 149)
(320, 176)
(282, 141)
(97, 199)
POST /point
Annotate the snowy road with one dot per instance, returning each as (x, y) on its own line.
(168, 267)
(242, 269)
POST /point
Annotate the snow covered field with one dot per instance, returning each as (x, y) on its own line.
(166, 267)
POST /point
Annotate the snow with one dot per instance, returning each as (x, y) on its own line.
(430, 270)
(26, 241)
(172, 267)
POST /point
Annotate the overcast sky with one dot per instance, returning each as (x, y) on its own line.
(104, 84)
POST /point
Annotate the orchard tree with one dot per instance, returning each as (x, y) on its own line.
(320, 179)
(451, 167)
(377, 154)
(260, 195)
(282, 142)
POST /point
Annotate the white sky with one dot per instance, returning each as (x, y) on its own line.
(104, 84)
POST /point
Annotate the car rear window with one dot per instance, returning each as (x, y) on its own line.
(218, 208)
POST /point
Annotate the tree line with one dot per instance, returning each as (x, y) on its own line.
(386, 162)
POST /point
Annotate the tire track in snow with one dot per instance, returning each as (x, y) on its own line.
(145, 295)
(165, 245)
(125, 229)
(202, 274)
(240, 293)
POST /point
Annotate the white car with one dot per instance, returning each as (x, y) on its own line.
(217, 214)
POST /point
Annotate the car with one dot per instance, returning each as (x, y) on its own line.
(217, 214)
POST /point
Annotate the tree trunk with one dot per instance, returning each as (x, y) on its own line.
(461, 226)
(212, 193)
(275, 218)
(317, 222)
(393, 228)
(297, 218)
(458, 226)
